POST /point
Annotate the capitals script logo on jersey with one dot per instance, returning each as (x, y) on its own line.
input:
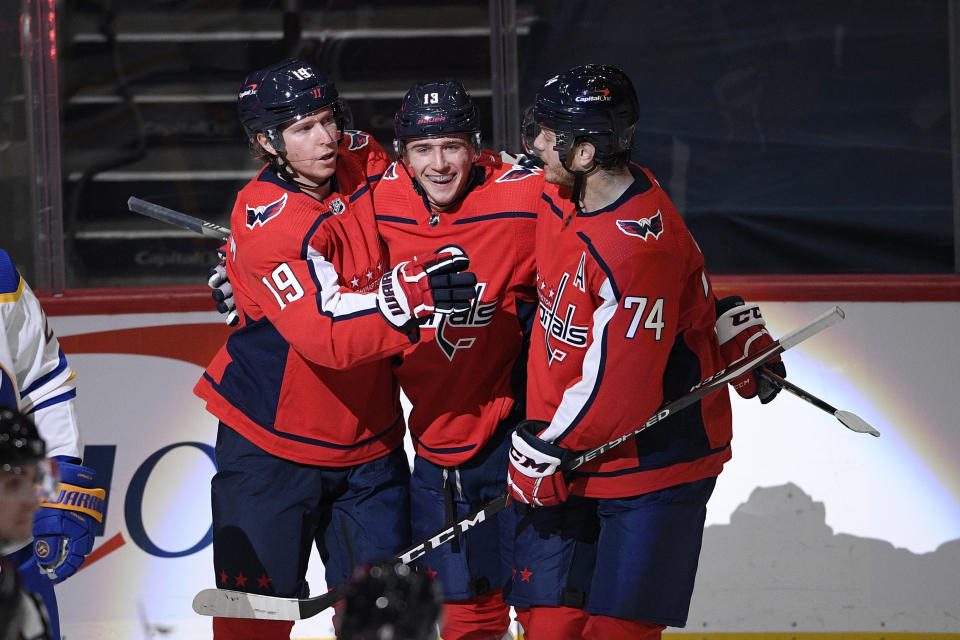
(557, 322)
(652, 226)
(357, 139)
(480, 314)
(518, 172)
(262, 215)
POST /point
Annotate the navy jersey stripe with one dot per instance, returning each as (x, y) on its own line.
(359, 192)
(63, 397)
(355, 314)
(269, 174)
(44, 379)
(442, 449)
(640, 185)
(556, 210)
(600, 262)
(495, 216)
(306, 238)
(397, 219)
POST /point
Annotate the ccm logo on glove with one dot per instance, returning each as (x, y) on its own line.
(742, 332)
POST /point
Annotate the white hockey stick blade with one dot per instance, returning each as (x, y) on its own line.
(850, 420)
(236, 604)
(855, 423)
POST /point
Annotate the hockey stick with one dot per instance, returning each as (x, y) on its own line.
(177, 219)
(850, 420)
(225, 603)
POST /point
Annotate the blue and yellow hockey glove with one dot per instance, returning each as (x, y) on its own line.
(64, 527)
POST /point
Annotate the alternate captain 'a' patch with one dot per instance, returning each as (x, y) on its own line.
(356, 139)
(518, 172)
(262, 215)
(390, 173)
(652, 226)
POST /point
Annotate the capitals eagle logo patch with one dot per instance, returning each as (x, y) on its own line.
(357, 139)
(390, 173)
(518, 172)
(261, 215)
(652, 226)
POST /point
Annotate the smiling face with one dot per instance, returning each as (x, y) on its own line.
(442, 166)
(310, 146)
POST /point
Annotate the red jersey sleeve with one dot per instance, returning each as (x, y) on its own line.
(290, 262)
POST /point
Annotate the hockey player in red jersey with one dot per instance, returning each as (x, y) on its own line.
(626, 321)
(465, 376)
(308, 448)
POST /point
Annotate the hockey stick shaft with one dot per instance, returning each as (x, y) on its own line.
(718, 380)
(850, 420)
(177, 219)
(236, 604)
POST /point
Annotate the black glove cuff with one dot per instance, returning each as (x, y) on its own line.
(725, 304)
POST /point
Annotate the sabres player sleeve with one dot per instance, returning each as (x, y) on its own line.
(631, 336)
(34, 375)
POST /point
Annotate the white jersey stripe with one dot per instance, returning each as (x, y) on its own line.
(332, 301)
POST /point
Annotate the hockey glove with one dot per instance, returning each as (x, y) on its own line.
(64, 528)
(742, 332)
(223, 291)
(534, 477)
(418, 288)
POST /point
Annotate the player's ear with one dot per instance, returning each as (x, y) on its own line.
(584, 153)
(262, 139)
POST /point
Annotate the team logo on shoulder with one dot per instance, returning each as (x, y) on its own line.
(337, 207)
(356, 139)
(261, 215)
(518, 173)
(390, 173)
(652, 226)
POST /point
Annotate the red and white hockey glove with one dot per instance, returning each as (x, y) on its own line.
(534, 477)
(742, 332)
(418, 288)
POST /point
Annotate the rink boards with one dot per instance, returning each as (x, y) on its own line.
(814, 531)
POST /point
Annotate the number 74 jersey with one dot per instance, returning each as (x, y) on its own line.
(626, 320)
